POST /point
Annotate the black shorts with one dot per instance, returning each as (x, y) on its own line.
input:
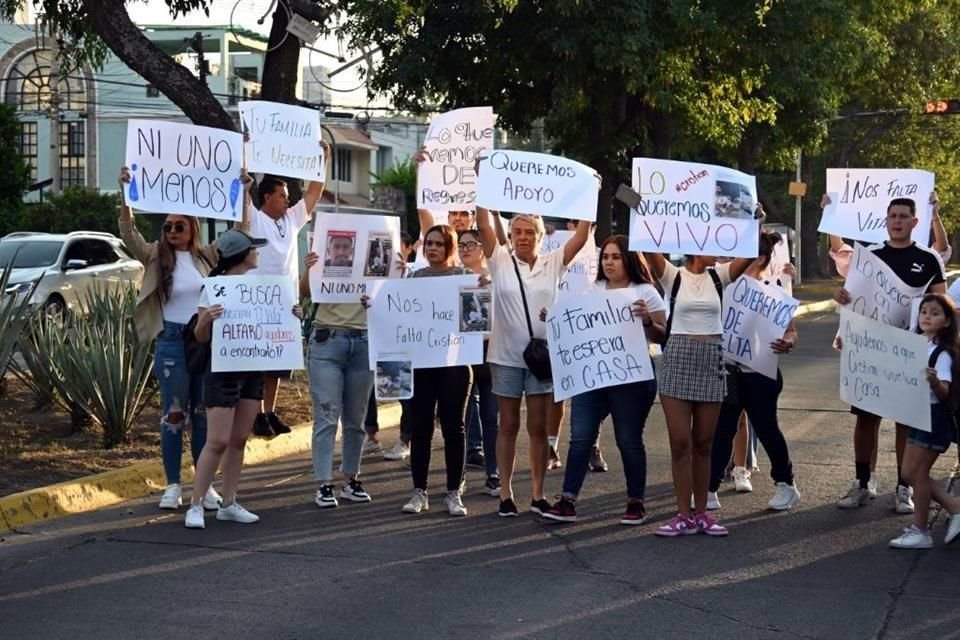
(943, 431)
(862, 413)
(227, 389)
(277, 375)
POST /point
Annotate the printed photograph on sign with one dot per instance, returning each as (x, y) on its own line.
(393, 380)
(734, 201)
(338, 259)
(379, 254)
(475, 310)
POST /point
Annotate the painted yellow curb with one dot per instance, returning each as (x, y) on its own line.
(113, 487)
(814, 307)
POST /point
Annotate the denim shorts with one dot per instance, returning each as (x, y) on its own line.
(228, 388)
(943, 430)
(514, 382)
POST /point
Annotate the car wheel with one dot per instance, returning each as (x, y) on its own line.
(55, 311)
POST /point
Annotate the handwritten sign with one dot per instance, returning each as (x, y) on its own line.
(421, 317)
(284, 140)
(883, 370)
(183, 168)
(754, 315)
(582, 270)
(596, 342)
(354, 250)
(257, 331)
(860, 197)
(877, 292)
(539, 183)
(448, 181)
(693, 208)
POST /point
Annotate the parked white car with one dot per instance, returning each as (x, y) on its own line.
(69, 267)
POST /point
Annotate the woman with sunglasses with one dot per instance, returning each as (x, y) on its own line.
(174, 269)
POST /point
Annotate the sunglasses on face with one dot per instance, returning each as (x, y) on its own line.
(468, 246)
(179, 227)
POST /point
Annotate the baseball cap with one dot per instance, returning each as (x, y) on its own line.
(234, 242)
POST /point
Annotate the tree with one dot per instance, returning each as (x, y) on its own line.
(14, 168)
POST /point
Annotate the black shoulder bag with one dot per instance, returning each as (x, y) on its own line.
(537, 354)
(198, 353)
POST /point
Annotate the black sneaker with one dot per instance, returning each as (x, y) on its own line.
(277, 424)
(553, 461)
(475, 459)
(540, 506)
(353, 491)
(261, 426)
(508, 509)
(597, 463)
(324, 498)
(492, 486)
(564, 511)
(635, 513)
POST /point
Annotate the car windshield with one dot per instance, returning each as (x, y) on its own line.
(29, 254)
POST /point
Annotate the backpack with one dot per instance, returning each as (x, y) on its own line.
(673, 298)
(951, 400)
(198, 353)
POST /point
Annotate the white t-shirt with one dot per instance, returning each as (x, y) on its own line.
(697, 309)
(943, 365)
(954, 292)
(280, 256)
(646, 292)
(185, 290)
(510, 336)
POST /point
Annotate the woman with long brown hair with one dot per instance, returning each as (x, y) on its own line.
(174, 269)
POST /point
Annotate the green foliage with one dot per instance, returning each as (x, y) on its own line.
(15, 315)
(14, 168)
(403, 176)
(75, 209)
(37, 341)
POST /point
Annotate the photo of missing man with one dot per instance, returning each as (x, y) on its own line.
(393, 380)
(379, 253)
(338, 258)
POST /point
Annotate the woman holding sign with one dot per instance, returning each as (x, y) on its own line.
(628, 403)
(523, 283)
(692, 379)
(174, 269)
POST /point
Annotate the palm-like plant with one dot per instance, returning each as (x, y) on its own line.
(15, 314)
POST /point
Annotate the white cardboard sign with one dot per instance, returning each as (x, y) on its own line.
(447, 181)
(883, 370)
(860, 197)
(754, 315)
(596, 342)
(257, 331)
(354, 250)
(694, 208)
(582, 270)
(538, 183)
(185, 169)
(284, 140)
(877, 292)
(420, 317)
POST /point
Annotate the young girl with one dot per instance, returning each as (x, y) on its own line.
(938, 323)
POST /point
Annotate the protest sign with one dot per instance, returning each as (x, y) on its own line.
(877, 292)
(476, 309)
(779, 260)
(447, 181)
(538, 183)
(693, 208)
(596, 342)
(860, 197)
(420, 317)
(582, 270)
(185, 169)
(883, 370)
(257, 331)
(354, 250)
(754, 315)
(284, 140)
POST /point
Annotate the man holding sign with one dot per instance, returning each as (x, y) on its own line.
(916, 266)
(280, 224)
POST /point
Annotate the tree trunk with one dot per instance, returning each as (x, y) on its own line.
(809, 236)
(110, 20)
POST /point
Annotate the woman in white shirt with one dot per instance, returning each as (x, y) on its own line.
(629, 403)
(511, 377)
(692, 381)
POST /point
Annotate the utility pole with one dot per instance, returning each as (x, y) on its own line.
(203, 69)
(54, 112)
(797, 221)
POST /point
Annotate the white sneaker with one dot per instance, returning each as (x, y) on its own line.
(370, 446)
(194, 519)
(953, 529)
(741, 480)
(418, 502)
(172, 497)
(212, 499)
(786, 496)
(904, 500)
(236, 513)
(856, 497)
(398, 451)
(454, 504)
(713, 502)
(913, 538)
(872, 486)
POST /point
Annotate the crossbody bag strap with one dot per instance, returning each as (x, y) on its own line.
(716, 282)
(673, 303)
(523, 296)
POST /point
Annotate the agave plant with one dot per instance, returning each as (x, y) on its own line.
(34, 368)
(15, 314)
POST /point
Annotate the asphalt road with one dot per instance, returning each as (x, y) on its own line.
(369, 571)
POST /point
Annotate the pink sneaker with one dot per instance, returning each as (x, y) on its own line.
(681, 525)
(706, 524)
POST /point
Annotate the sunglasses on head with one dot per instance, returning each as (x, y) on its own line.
(179, 227)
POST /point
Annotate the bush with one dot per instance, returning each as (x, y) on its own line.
(76, 209)
(403, 175)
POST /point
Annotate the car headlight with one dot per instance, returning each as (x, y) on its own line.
(22, 287)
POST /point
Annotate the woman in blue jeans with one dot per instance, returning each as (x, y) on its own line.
(628, 404)
(174, 268)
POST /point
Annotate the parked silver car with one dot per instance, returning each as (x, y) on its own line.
(69, 266)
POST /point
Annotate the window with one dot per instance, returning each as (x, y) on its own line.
(100, 252)
(342, 165)
(73, 157)
(28, 85)
(28, 146)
